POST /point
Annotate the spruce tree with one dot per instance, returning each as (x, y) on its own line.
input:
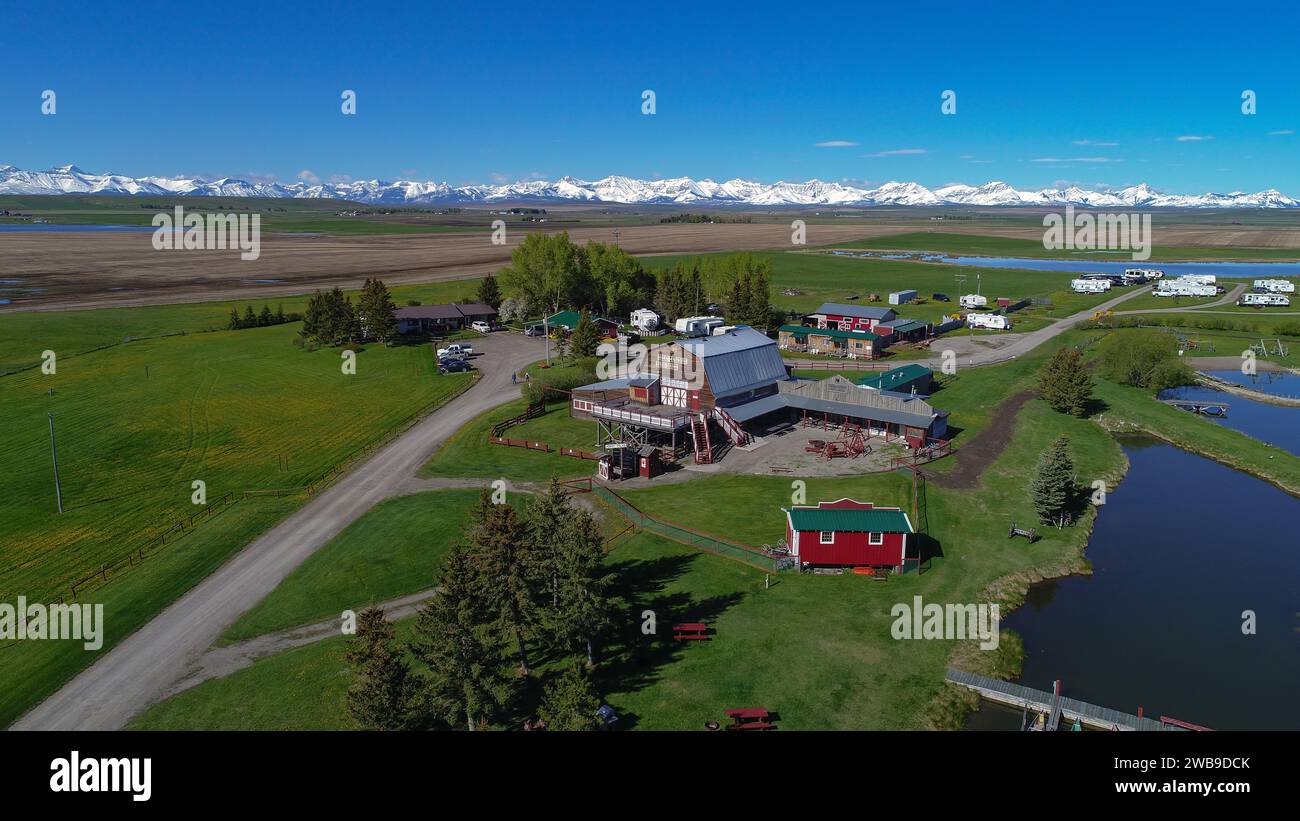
(489, 293)
(585, 338)
(265, 317)
(1053, 486)
(500, 548)
(383, 694)
(250, 318)
(585, 606)
(570, 701)
(375, 311)
(234, 323)
(1064, 383)
(455, 638)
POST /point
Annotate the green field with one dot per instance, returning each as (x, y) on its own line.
(138, 423)
(393, 550)
(825, 278)
(990, 246)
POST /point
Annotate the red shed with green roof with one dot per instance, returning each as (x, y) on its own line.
(848, 533)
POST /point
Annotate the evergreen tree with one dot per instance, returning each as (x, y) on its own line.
(376, 311)
(454, 637)
(280, 318)
(1053, 487)
(265, 317)
(1064, 383)
(313, 316)
(500, 547)
(585, 338)
(489, 293)
(570, 702)
(547, 517)
(585, 607)
(678, 291)
(250, 318)
(383, 694)
(235, 323)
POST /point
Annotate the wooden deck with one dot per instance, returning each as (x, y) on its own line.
(1058, 707)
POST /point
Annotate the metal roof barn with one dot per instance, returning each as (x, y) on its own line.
(737, 361)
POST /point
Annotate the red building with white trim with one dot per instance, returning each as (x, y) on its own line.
(847, 533)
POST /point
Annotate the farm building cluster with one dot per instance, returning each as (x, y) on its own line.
(706, 393)
(852, 331)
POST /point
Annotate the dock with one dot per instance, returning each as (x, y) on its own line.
(1058, 707)
(1199, 406)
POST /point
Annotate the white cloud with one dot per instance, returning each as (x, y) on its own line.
(1194, 138)
(1096, 143)
(836, 144)
(340, 179)
(499, 177)
(1075, 159)
(1284, 132)
(897, 152)
(308, 177)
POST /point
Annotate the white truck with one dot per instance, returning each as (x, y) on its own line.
(1273, 300)
(996, 322)
(1090, 286)
(973, 301)
(1276, 286)
(456, 350)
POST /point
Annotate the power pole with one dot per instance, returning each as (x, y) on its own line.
(54, 455)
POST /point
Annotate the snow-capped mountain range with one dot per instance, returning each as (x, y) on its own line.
(69, 179)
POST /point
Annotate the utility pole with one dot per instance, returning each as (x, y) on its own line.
(54, 455)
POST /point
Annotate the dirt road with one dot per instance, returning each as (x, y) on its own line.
(139, 670)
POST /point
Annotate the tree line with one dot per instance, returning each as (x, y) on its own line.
(517, 584)
(264, 319)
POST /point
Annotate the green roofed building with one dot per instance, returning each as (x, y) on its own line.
(902, 379)
(847, 533)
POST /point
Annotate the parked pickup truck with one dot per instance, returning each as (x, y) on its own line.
(456, 350)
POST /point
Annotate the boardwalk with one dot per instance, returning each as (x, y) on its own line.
(1014, 695)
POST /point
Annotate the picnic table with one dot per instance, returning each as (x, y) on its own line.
(691, 631)
(753, 718)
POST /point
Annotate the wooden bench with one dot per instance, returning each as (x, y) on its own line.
(691, 631)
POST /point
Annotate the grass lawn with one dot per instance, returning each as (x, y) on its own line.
(393, 550)
(468, 453)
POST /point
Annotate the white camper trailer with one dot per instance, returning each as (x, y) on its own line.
(645, 320)
(1143, 273)
(1203, 279)
(697, 325)
(973, 301)
(996, 322)
(1090, 286)
(1276, 286)
(1273, 300)
(1185, 286)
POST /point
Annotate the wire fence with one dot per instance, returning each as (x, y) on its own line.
(685, 535)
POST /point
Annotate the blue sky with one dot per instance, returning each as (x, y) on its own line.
(1047, 94)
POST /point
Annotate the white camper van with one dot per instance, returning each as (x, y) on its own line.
(996, 322)
(1273, 300)
(973, 301)
(1090, 286)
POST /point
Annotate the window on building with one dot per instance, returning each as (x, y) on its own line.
(828, 537)
(875, 538)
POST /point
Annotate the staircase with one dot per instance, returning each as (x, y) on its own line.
(732, 428)
(700, 436)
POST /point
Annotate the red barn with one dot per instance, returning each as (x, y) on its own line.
(848, 533)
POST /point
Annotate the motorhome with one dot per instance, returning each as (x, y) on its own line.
(1274, 300)
(1275, 286)
(1090, 286)
(996, 322)
(974, 301)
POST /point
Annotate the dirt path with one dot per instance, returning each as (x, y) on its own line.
(219, 662)
(978, 453)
